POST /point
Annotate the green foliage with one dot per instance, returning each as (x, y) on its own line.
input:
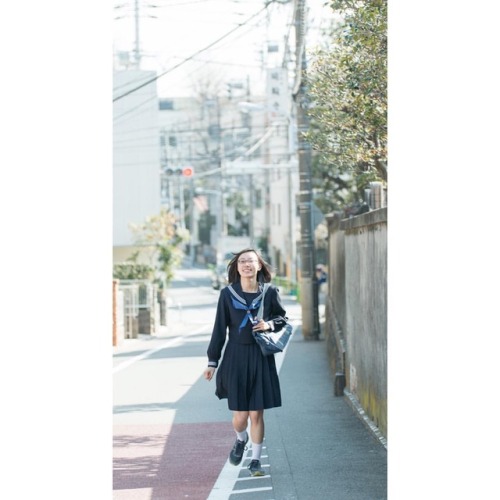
(161, 236)
(286, 286)
(168, 260)
(348, 88)
(132, 271)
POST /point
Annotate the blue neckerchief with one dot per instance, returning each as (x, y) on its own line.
(241, 304)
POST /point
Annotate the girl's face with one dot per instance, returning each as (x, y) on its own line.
(248, 265)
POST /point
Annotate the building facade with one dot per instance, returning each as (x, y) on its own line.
(136, 156)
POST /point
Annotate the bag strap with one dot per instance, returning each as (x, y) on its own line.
(260, 312)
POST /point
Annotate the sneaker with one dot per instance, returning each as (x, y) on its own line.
(255, 468)
(236, 454)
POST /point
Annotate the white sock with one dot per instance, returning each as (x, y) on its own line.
(256, 451)
(242, 436)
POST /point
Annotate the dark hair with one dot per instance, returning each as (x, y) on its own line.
(263, 276)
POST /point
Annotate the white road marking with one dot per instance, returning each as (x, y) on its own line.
(228, 477)
(251, 478)
(250, 490)
(170, 343)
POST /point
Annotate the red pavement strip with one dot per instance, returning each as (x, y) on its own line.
(163, 462)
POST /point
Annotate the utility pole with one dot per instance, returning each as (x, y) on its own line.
(308, 280)
(137, 50)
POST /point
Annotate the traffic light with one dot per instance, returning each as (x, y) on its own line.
(173, 171)
(184, 171)
(188, 171)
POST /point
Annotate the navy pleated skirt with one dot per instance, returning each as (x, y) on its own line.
(247, 379)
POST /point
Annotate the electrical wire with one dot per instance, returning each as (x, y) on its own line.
(223, 63)
(192, 56)
(201, 128)
(140, 78)
(135, 108)
(195, 160)
(203, 63)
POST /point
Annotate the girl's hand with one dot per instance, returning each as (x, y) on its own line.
(209, 373)
(261, 326)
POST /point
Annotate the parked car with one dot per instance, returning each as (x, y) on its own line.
(219, 276)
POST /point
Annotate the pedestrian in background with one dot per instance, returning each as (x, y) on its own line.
(246, 378)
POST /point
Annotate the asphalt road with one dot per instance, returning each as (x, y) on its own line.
(171, 437)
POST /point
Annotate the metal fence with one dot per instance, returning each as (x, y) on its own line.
(141, 308)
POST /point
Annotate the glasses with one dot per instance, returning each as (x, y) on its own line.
(247, 261)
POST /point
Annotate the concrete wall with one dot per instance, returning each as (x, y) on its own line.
(356, 309)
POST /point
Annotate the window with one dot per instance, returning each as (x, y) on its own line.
(166, 104)
(258, 198)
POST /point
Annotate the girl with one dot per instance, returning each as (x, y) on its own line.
(246, 378)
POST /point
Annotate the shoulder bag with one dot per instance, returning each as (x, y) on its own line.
(271, 342)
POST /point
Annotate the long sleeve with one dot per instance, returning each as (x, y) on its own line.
(219, 332)
(274, 310)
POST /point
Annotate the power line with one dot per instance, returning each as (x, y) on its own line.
(192, 56)
(126, 84)
(201, 128)
(135, 108)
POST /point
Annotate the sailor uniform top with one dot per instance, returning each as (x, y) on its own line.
(235, 310)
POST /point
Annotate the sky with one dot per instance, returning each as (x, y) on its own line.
(182, 28)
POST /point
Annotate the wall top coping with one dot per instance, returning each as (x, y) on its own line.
(366, 219)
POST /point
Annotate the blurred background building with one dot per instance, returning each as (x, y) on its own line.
(223, 159)
(136, 167)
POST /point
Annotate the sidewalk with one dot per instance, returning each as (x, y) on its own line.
(318, 445)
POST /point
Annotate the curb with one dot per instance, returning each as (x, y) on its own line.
(354, 404)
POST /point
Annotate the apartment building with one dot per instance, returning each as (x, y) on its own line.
(136, 157)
